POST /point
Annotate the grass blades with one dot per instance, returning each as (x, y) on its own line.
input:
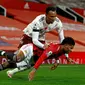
(63, 75)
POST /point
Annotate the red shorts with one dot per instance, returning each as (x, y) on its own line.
(26, 39)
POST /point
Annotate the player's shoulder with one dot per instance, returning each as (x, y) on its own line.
(58, 20)
(41, 17)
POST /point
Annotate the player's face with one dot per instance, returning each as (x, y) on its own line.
(50, 17)
(68, 48)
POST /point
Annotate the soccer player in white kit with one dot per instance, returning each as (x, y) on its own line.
(23, 58)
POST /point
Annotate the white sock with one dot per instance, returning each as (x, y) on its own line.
(18, 70)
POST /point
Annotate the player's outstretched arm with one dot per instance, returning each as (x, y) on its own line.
(54, 66)
(31, 74)
(71, 60)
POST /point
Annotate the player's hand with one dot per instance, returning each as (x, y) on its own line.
(72, 61)
(54, 66)
(46, 46)
(31, 75)
(76, 62)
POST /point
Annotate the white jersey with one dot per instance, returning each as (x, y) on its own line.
(39, 23)
(28, 53)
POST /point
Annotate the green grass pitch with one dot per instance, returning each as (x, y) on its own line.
(63, 75)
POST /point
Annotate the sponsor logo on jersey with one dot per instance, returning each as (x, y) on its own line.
(49, 53)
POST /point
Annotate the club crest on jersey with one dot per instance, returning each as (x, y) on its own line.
(49, 53)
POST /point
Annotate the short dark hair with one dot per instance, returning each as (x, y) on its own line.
(68, 40)
(50, 8)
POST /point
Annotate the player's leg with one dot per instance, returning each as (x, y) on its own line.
(4, 65)
(10, 73)
(7, 55)
(24, 60)
(7, 64)
(18, 56)
(24, 40)
(21, 66)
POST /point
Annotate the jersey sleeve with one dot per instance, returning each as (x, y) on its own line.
(61, 35)
(40, 60)
(36, 32)
(59, 26)
(60, 31)
(35, 37)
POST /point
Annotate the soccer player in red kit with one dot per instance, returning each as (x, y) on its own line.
(54, 49)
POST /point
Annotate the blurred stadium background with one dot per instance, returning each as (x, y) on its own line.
(15, 17)
(16, 14)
